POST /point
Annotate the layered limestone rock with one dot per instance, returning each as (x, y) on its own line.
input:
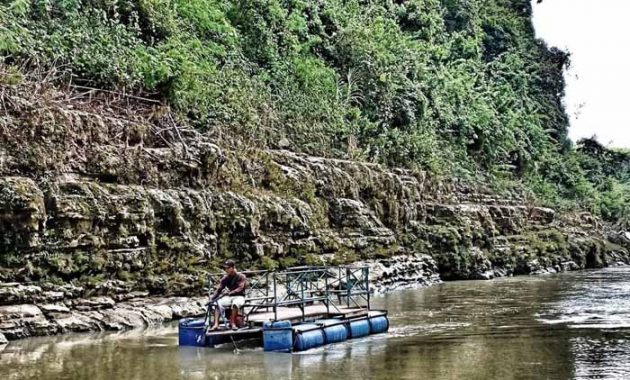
(101, 209)
(48, 314)
(403, 272)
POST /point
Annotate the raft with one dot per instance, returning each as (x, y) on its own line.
(314, 309)
(283, 337)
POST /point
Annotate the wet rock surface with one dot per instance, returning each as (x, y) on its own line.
(94, 314)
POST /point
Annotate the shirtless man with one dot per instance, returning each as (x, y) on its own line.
(234, 297)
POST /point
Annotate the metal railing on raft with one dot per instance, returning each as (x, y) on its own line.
(304, 286)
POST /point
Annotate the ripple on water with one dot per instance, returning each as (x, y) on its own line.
(599, 302)
(569, 326)
(426, 329)
(600, 357)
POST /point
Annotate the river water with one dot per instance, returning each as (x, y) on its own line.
(567, 326)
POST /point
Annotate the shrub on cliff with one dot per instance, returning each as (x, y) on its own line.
(609, 171)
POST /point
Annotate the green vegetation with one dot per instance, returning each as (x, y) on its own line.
(461, 88)
(609, 172)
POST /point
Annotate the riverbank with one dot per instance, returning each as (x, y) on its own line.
(51, 310)
(569, 326)
(47, 309)
(93, 314)
(105, 200)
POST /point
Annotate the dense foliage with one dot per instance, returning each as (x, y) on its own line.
(459, 87)
(609, 171)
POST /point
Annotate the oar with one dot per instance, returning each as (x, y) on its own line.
(206, 321)
(236, 350)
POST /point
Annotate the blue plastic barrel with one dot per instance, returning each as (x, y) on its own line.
(358, 329)
(334, 330)
(307, 336)
(192, 332)
(278, 336)
(379, 324)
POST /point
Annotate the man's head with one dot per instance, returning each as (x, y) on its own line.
(230, 267)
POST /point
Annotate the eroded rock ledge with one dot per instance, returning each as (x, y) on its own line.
(57, 312)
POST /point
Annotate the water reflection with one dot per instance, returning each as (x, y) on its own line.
(556, 327)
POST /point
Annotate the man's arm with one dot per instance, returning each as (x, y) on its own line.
(218, 290)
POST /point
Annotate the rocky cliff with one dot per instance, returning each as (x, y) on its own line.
(110, 208)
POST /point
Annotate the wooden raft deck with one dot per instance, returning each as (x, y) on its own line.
(294, 314)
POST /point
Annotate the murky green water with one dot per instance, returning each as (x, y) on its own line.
(570, 326)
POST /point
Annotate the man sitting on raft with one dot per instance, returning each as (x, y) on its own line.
(234, 297)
